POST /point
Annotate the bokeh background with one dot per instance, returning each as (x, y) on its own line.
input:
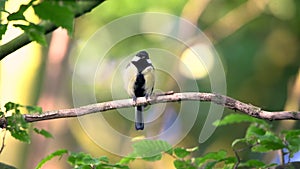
(257, 41)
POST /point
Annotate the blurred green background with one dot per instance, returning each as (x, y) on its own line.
(257, 41)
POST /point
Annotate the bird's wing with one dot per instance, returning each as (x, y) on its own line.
(150, 79)
(129, 77)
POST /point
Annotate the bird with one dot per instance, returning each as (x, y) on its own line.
(139, 81)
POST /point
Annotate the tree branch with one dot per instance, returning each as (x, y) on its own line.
(23, 39)
(168, 97)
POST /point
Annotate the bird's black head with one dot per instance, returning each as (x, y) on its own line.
(143, 55)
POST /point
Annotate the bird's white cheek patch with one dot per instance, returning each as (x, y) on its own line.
(135, 59)
(149, 61)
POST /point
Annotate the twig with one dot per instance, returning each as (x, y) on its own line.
(23, 39)
(176, 97)
(238, 159)
(3, 140)
(282, 154)
(236, 151)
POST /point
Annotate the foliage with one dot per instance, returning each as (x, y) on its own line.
(81, 160)
(62, 14)
(58, 153)
(85, 161)
(148, 150)
(13, 121)
(258, 138)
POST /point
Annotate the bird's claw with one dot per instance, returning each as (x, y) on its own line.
(148, 99)
(134, 101)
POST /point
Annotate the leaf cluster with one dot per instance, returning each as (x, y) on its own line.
(13, 121)
(260, 137)
(152, 150)
(60, 13)
(82, 160)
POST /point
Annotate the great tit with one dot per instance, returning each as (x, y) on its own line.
(139, 82)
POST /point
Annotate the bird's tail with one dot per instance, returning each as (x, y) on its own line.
(139, 121)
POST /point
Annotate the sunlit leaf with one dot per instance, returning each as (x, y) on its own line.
(17, 126)
(153, 158)
(239, 118)
(58, 14)
(181, 152)
(19, 15)
(292, 138)
(252, 163)
(254, 131)
(2, 5)
(82, 160)
(236, 141)
(126, 160)
(43, 132)
(35, 32)
(180, 164)
(58, 153)
(10, 106)
(230, 160)
(210, 165)
(150, 149)
(33, 109)
(211, 156)
(3, 28)
(268, 142)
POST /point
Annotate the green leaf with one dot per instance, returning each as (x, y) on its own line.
(58, 14)
(211, 164)
(19, 15)
(126, 160)
(236, 141)
(252, 164)
(10, 106)
(2, 5)
(292, 138)
(113, 166)
(35, 32)
(181, 152)
(43, 132)
(220, 155)
(150, 149)
(33, 109)
(82, 160)
(291, 133)
(49, 157)
(78, 159)
(180, 164)
(230, 160)
(3, 28)
(253, 132)
(268, 142)
(18, 127)
(153, 158)
(238, 118)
